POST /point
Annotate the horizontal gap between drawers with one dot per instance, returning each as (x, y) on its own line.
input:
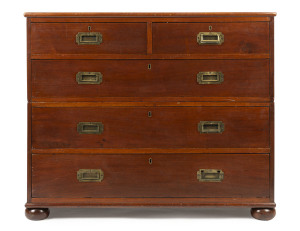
(153, 150)
(148, 104)
(149, 56)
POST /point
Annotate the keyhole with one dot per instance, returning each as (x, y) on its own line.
(149, 66)
(149, 113)
(210, 27)
(150, 160)
(89, 28)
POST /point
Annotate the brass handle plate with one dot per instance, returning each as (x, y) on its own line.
(212, 77)
(89, 77)
(90, 175)
(88, 38)
(90, 127)
(210, 175)
(211, 127)
(210, 38)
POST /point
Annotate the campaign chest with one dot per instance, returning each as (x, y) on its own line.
(150, 109)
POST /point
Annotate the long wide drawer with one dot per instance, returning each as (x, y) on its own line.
(211, 38)
(88, 38)
(149, 78)
(150, 127)
(166, 175)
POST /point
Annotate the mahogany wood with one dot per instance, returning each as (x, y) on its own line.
(132, 78)
(149, 37)
(151, 19)
(157, 101)
(169, 127)
(36, 214)
(170, 151)
(136, 202)
(150, 14)
(29, 109)
(118, 38)
(264, 214)
(150, 56)
(167, 41)
(144, 103)
(181, 38)
(167, 176)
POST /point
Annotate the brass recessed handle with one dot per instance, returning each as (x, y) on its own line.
(211, 127)
(210, 175)
(212, 77)
(89, 77)
(210, 38)
(90, 127)
(89, 38)
(90, 175)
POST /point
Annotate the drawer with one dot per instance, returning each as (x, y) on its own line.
(168, 175)
(150, 127)
(239, 38)
(135, 78)
(103, 38)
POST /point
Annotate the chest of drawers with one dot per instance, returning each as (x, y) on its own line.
(150, 109)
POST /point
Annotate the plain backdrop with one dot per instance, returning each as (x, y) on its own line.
(13, 124)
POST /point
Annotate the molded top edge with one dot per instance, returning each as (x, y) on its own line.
(148, 14)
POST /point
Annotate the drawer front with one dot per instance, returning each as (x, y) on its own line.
(135, 78)
(103, 38)
(150, 127)
(168, 175)
(239, 38)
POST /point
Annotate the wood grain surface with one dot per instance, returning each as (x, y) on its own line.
(60, 38)
(239, 38)
(132, 78)
(169, 127)
(55, 176)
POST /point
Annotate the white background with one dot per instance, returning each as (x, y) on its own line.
(13, 123)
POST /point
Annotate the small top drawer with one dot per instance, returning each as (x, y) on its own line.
(211, 38)
(88, 38)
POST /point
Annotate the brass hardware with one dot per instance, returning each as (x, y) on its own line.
(89, 28)
(89, 77)
(212, 77)
(210, 175)
(210, 27)
(149, 113)
(150, 160)
(149, 66)
(88, 38)
(90, 127)
(210, 38)
(90, 175)
(211, 127)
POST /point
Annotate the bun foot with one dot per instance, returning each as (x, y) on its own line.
(263, 214)
(37, 214)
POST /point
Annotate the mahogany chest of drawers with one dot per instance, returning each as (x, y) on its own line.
(150, 109)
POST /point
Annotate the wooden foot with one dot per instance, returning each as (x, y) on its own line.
(37, 214)
(264, 214)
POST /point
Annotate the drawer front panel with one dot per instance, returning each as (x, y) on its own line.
(116, 38)
(239, 38)
(169, 175)
(164, 78)
(150, 127)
